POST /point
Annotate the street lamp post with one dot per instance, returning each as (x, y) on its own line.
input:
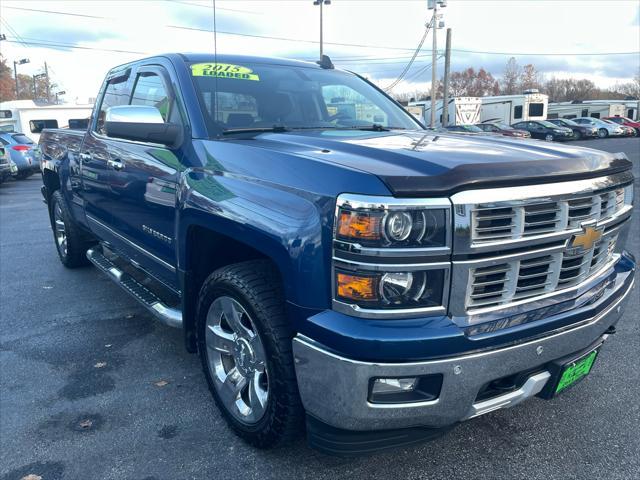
(321, 3)
(435, 24)
(15, 71)
(59, 93)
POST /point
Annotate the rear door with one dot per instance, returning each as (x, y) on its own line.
(95, 169)
(144, 179)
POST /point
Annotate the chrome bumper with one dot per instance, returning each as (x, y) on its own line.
(335, 389)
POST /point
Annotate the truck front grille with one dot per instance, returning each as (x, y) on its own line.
(514, 220)
(515, 245)
(514, 280)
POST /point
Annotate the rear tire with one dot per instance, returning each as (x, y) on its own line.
(603, 133)
(244, 342)
(70, 242)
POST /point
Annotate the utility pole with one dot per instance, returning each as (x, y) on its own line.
(434, 59)
(445, 94)
(321, 3)
(435, 24)
(15, 71)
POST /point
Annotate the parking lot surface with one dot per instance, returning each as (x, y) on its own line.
(91, 387)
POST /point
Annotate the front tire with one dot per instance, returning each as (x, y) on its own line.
(244, 342)
(577, 135)
(603, 133)
(549, 138)
(70, 243)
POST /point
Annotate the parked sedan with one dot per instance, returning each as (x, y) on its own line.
(502, 129)
(579, 131)
(23, 152)
(545, 130)
(626, 122)
(471, 129)
(605, 129)
(626, 130)
(5, 165)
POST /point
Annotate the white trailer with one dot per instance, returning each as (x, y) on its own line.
(630, 107)
(461, 111)
(509, 109)
(29, 118)
(588, 108)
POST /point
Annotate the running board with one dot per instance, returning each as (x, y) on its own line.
(167, 315)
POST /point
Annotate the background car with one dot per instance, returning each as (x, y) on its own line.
(605, 129)
(545, 130)
(465, 129)
(502, 129)
(625, 121)
(5, 165)
(579, 131)
(22, 151)
(627, 131)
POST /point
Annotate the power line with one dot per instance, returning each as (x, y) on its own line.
(298, 40)
(415, 54)
(74, 47)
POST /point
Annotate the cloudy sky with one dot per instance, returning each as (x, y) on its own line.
(81, 40)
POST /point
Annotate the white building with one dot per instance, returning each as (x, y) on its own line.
(461, 111)
(25, 116)
(531, 105)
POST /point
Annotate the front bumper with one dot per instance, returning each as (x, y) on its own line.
(335, 389)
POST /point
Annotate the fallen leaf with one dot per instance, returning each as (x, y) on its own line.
(108, 345)
(32, 476)
(161, 383)
(86, 423)
(100, 364)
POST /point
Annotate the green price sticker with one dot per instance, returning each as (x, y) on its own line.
(223, 70)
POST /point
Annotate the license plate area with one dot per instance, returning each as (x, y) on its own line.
(568, 371)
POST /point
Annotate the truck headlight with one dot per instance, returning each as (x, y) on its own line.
(391, 290)
(391, 256)
(392, 225)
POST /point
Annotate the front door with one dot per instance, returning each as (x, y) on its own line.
(144, 181)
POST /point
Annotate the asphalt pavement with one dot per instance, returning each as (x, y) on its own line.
(91, 387)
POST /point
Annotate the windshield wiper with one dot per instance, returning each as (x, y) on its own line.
(275, 129)
(375, 127)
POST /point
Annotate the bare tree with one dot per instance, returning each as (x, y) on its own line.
(530, 78)
(511, 77)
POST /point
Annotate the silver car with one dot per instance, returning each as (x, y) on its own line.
(605, 129)
(24, 154)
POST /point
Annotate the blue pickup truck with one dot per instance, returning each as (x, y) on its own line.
(339, 268)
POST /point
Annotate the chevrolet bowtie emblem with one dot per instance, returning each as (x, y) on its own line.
(587, 239)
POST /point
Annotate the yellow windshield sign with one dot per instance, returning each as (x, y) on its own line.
(223, 70)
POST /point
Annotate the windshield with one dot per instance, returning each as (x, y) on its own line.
(567, 122)
(23, 139)
(504, 126)
(258, 96)
(465, 128)
(547, 124)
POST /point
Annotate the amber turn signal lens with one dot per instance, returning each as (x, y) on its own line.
(356, 225)
(355, 287)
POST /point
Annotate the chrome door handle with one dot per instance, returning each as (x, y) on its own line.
(116, 165)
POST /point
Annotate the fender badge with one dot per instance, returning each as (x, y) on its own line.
(587, 239)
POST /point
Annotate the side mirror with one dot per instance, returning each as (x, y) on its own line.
(142, 123)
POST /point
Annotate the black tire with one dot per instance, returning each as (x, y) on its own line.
(74, 255)
(257, 287)
(577, 135)
(603, 133)
(549, 137)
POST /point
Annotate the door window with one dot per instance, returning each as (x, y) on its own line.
(150, 90)
(115, 94)
(345, 103)
(36, 126)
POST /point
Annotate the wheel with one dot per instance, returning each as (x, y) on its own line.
(549, 138)
(603, 133)
(70, 243)
(244, 342)
(577, 135)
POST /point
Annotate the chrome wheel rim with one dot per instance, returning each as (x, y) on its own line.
(237, 360)
(549, 138)
(60, 232)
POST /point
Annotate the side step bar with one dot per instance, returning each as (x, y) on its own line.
(167, 315)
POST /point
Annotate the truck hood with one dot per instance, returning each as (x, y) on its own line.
(415, 163)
